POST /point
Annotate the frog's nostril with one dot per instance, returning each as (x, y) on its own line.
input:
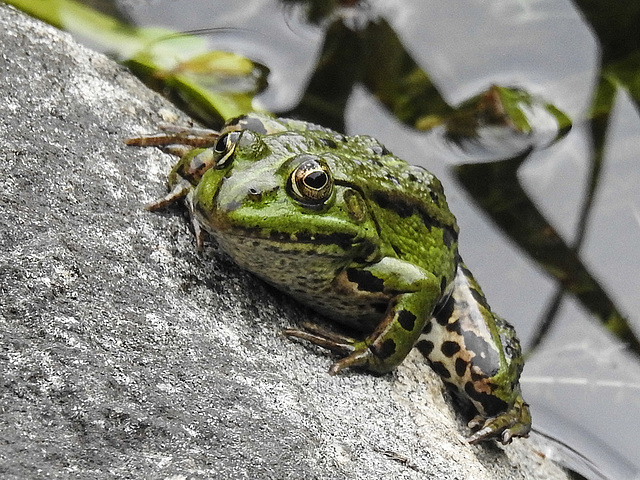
(254, 193)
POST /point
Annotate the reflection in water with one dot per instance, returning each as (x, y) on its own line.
(496, 188)
(504, 123)
(610, 464)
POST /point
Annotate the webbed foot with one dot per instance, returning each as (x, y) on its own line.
(515, 422)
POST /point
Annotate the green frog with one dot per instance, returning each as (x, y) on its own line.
(355, 233)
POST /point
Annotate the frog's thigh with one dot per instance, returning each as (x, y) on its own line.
(414, 291)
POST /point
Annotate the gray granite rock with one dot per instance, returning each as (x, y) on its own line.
(126, 354)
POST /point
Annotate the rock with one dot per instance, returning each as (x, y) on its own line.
(126, 354)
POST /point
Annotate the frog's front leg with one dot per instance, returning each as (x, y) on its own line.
(413, 295)
(173, 135)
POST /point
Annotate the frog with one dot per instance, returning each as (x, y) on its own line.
(360, 236)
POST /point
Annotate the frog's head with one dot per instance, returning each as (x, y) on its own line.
(277, 188)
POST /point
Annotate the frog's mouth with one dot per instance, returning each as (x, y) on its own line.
(346, 241)
(336, 239)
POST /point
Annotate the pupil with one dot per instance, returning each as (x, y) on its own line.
(316, 180)
(221, 144)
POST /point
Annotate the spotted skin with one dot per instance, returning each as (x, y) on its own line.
(465, 354)
(344, 226)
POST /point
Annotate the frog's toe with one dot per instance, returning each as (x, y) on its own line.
(503, 434)
(515, 422)
(490, 431)
(359, 358)
(178, 192)
(503, 428)
(324, 338)
(356, 351)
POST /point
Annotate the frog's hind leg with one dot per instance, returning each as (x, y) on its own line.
(477, 352)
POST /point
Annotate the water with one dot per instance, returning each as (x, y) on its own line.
(582, 385)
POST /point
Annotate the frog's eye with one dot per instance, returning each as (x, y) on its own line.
(311, 182)
(224, 148)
